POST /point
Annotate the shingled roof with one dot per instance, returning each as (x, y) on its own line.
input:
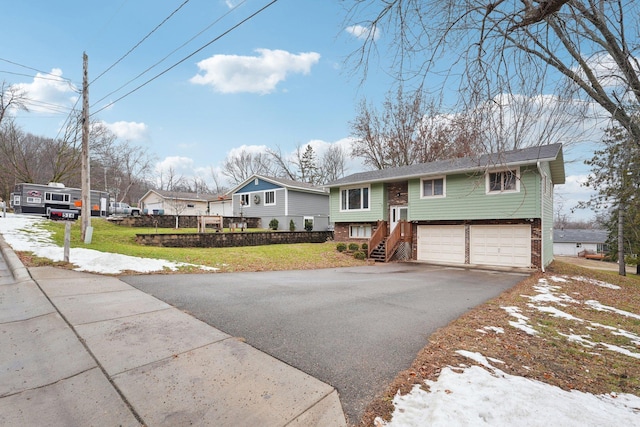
(551, 153)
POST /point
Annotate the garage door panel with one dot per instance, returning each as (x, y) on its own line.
(441, 243)
(501, 245)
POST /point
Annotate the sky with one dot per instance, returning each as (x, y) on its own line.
(468, 395)
(195, 81)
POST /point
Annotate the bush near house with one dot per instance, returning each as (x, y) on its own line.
(273, 224)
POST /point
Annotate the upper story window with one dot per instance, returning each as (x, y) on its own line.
(269, 197)
(433, 187)
(503, 181)
(354, 199)
(244, 199)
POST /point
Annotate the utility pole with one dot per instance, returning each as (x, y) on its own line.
(85, 177)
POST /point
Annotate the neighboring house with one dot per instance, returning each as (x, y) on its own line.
(179, 203)
(270, 198)
(571, 242)
(494, 209)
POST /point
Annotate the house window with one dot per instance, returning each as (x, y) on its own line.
(308, 223)
(244, 199)
(269, 197)
(354, 199)
(362, 231)
(503, 181)
(191, 205)
(433, 187)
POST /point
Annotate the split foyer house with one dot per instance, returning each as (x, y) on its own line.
(492, 210)
(270, 198)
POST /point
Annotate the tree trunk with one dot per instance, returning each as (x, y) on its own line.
(621, 264)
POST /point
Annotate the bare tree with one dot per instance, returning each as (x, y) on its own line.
(218, 187)
(409, 130)
(11, 98)
(333, 163)
(514, 47)
(284, 166)
(241, 166)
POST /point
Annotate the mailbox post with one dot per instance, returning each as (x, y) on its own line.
(67, 215)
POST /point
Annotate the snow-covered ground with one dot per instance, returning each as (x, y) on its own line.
(24, 233)
(462, 395)
(474, 396)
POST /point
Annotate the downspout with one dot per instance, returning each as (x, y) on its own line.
(542, 230)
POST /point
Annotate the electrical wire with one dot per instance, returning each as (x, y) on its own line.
(33, 69)
(170, 53)
(141, 41)
(188, 56)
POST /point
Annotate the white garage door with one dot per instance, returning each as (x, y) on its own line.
(441, 243)
(503, 245)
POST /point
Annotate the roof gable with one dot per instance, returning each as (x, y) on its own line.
(550, 153)
(273, 183)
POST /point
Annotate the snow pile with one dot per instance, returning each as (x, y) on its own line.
(491, 397)
(25, 233)
(477, 396)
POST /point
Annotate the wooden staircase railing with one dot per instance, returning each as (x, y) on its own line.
(378, 236)
(401, 233)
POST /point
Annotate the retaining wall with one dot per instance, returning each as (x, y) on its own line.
(226, 240)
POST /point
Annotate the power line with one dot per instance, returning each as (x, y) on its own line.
(56, 79)
(171, 53)
(32, 69)
(188, 56)
(142, 41)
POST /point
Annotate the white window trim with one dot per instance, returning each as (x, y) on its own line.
(436, 196)
(368, 187)
(363, 227)
(488, 181)
(248, 200)
(264, 197)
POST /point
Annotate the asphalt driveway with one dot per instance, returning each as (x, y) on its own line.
(353, 328)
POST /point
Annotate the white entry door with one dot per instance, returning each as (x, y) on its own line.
(397, 214)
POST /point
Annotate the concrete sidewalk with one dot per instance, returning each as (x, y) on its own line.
(80, 349)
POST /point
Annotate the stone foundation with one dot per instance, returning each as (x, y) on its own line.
(227, 240)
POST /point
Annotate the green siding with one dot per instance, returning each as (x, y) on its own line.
(547, 216)
(466, 199)
(377, 206)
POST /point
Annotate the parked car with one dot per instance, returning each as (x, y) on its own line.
(119, 208)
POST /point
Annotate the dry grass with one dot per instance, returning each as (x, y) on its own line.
(548, 356)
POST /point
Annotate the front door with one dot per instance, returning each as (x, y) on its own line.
(397, 214)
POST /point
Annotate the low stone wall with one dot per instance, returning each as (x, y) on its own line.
(227, 240)
(184, 221)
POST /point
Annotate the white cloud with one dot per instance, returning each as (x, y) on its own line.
(177, 164)
(129, 131)
(233, 3)
(49, 93)
(253, 149)
(363, 33)
(253, 74)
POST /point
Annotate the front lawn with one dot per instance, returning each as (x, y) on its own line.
(109, 237)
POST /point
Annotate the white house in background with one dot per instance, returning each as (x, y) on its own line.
(160, 202)
(271, 198)
(571, 242)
